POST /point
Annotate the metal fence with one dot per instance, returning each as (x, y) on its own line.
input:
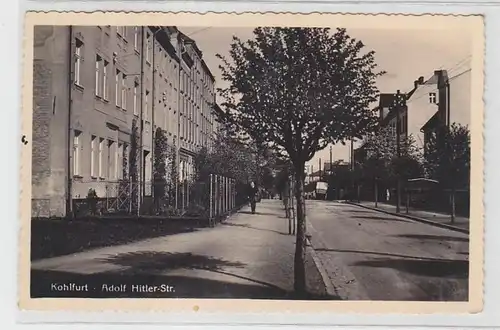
(212, 198)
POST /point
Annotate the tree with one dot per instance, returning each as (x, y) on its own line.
(173, 175)
(160, 168)
(382, 162)
(447, 159)
(298, 90)
(133, 166)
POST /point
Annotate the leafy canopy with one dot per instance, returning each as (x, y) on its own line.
(299, 89)
(382, 159)
(447, 155)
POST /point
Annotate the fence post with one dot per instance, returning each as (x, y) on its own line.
(210, 201)
(230, 185)
(216, 190)
(218, 196)
(130, 194)
(226, 189)
(223, 207)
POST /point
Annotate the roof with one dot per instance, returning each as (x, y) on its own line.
(432, 123)
(192, 42)
(161, 35)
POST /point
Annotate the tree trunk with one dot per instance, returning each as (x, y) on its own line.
(300, 246)
(453, 206)
(376, 193)
(398, 196)
(407, 201)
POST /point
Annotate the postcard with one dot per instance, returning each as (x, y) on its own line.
(252, 162)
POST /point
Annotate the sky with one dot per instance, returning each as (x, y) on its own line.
(405, 54)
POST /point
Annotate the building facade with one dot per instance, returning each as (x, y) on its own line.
(441, 99)
(448, 102)
(99, 95)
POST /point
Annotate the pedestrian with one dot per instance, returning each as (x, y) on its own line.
(252, 194)
(387, 195)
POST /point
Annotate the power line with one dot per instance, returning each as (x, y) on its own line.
(198, 31)
(436, 89)
(455, 66)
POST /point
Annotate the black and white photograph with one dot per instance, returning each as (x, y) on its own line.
(268, 162)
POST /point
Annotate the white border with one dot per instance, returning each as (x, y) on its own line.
(10, 136)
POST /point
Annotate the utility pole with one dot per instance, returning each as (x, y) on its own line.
(448, 102)
(320, 169)
(141, 173)
(331, 160)
(400, 102)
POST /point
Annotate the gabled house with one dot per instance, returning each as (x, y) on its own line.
(451, 99)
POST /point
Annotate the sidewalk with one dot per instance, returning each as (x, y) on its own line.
(247, 256)
(460, 224)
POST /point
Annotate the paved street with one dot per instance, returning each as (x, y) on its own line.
(370, 255)
(249, 256)
(460, 222)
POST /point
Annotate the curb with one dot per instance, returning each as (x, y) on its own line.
(414, 218)
(330, 288)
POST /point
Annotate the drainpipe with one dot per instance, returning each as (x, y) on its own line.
(178, 144)
(69, 197)
(141, 153)
(448, 93)
(153, 131)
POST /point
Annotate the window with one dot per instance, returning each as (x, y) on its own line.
(148, 35)
(76, 152)
(117, 87)
(118, 161)
(124, 93)
(136, 38)
(93, 150)
(432, 98)
(120, 30)
(98, 61)
(105, 81)
(78, 60)
(111, 161)
(100, 158)
(136, 86)
(146, 109)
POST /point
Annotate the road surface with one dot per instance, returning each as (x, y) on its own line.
(369, 255)
(247, 256)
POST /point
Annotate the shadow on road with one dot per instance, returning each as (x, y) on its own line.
(247, 226)
(258, 213)
(144, 269)
(458, 269)
(359, 212)
(381, 254)
(362, 217)
(184, 286)
(436, 237)
(151, 261)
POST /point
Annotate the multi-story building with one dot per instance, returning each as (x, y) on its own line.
(101, 91)
(446, 100)
(440, 99)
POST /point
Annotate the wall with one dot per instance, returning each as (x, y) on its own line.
(420, 110)
(50, 118)
(460, 97)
